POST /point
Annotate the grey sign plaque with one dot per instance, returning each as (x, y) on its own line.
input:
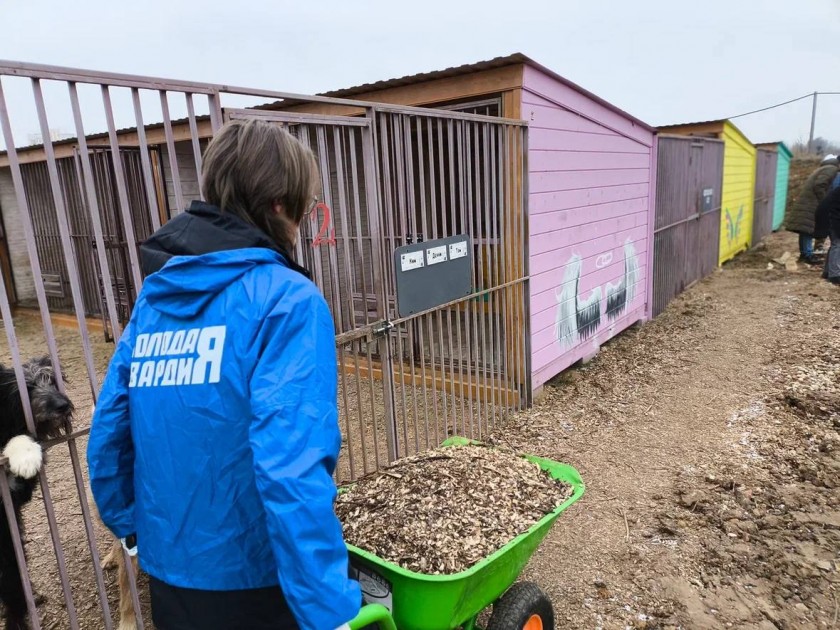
(432, 273)
(708, 194)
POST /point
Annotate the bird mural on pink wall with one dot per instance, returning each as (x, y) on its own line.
(579, 318)
(576, 317)
(621, 293)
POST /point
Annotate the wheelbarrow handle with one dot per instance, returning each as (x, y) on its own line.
(373, 614)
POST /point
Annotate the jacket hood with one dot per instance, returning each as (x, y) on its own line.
(202, 229)
(187, 284)
(198, 254)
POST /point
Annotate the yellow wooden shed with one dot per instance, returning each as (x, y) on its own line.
(738, 199)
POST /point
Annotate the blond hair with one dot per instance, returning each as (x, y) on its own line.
(250, 166)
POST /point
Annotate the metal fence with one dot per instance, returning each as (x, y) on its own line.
(390, 176)
(41, 203)
(688, 201)
(765, 194)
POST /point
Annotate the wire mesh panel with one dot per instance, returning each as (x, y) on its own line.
(389, 176)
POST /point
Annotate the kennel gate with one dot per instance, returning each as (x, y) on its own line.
(390, 175)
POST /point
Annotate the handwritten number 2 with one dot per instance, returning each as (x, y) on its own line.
(326, 235)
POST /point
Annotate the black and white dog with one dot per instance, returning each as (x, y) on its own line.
(51, 412)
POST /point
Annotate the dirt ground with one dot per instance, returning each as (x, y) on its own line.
(709, 443)
(708, 440)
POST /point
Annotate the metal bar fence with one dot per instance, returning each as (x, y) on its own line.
(390, 175)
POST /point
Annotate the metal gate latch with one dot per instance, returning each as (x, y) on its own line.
(380, 329)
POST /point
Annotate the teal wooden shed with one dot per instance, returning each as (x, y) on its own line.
(782, 176)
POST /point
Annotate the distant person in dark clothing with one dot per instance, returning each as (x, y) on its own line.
(802, 217)
(828, 213)
(823, 217)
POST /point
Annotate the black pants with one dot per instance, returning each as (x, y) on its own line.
(831, 271)
(176, 608)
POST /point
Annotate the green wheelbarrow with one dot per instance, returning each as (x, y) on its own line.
(400, 599)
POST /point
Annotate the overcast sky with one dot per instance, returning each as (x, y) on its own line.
(665, 61)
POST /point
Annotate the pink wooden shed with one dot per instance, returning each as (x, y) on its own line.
(592, 183)
(591, 187)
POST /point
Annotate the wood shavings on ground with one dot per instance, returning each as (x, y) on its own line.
(442, 511)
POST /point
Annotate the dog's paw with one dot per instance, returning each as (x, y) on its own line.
(111, 561)
(24, 455)
(127, 624)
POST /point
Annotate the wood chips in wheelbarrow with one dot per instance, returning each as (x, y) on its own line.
(442, 511)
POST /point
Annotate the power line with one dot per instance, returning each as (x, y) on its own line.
(800, 98)
(764, 109)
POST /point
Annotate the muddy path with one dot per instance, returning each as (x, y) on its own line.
(709, 443)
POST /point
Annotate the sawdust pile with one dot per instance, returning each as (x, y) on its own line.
(442, 511)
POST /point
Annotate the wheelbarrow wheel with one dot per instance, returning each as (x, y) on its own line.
(523, 607)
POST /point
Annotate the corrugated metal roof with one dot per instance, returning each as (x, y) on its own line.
(697, 123)
(720, 121)
(103, 135)
(774, 144)
(777, 146)
(470, 68)
(410, 79)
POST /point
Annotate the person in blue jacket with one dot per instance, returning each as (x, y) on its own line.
(215, 434)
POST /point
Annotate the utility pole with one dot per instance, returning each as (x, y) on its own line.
(813, 121)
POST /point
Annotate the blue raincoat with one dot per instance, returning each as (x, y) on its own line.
(215, 434)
